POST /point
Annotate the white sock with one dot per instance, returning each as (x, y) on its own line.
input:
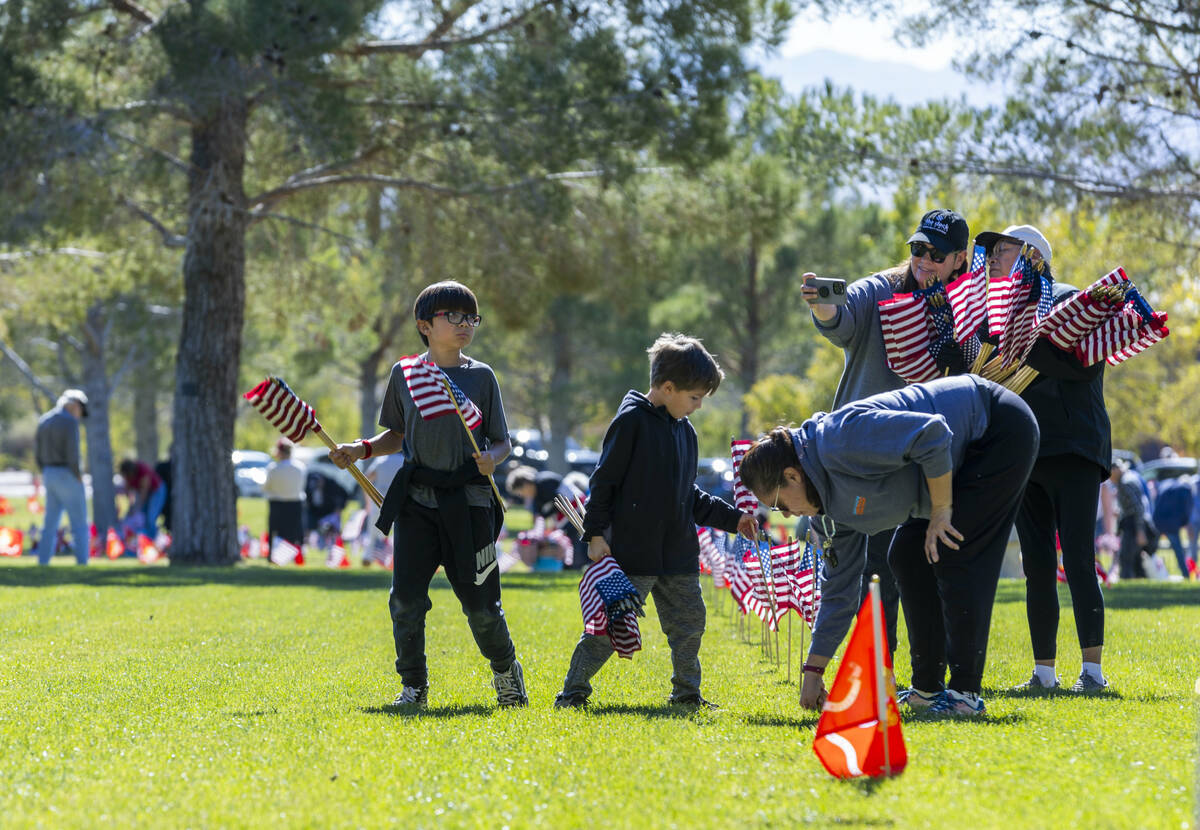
(1044, 674)
(1094, 670)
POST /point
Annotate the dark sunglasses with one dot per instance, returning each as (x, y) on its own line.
(920, 249)
(457, 318)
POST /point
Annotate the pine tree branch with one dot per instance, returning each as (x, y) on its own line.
(170, 238)
(1108, 8)
(35, 383)
(433, 43)
(256, 216)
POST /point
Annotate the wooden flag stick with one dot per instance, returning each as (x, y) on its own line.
(985, 351)
(367, 486)
(471, 435)
(789, 675)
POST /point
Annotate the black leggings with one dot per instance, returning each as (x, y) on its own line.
(948, 604)
(1061, 496)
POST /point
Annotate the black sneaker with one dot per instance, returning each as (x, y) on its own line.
(414, 696)
(693, 702)
(1088, 685)
(510, 686)
(565, 701)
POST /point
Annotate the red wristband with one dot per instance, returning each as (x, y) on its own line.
(366, 444)
(814, 669)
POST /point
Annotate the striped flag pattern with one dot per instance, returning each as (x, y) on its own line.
(808, 583)
(1121, 337)
(968, 296)
(605, 585)
(427, 385)
(1069, 321)
(283, 409)
(784, 560)
(710, 558)
(742, 497)
(906, 338)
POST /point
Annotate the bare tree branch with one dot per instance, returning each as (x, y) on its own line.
(174, 161)
(170, 238)
(133, 10)
(283, 191)
(151, 106)
(82, 253)
(1137, 18)
(432, 43)
(36, 384)
(258, 215)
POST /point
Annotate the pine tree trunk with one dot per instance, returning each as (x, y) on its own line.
(99, 437)
(145, 416)
(204, 504)
(753, 334)
(560, 388)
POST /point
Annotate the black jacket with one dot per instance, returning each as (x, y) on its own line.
(1067, 398)
(644, 492)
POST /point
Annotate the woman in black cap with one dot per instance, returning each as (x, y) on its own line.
(938, 254)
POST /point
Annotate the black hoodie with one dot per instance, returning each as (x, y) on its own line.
(644, 491)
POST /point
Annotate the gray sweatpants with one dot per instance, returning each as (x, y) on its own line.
(680, 607)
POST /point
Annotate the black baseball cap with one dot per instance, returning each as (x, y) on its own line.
(943, 229)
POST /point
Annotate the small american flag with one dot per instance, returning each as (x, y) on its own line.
(807, 584)
(427, 384)
(1013, 309)
(710, 558)
(283, 410)
(784, 561)
(906, 338)
(611, 606)
(742, 497)
(1121, 337)
(968, 296)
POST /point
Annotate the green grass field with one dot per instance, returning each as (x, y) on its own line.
(258, 696)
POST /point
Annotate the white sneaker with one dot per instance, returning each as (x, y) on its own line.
(510, 686)
(415, 696)
(951, 702)
(917, 699)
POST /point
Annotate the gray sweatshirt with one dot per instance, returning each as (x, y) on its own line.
(856, 330)
(869, 460)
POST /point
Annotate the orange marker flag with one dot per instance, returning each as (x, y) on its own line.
(113, 545)
(147, 551)
(33, 505)
(859, 730)
(5, 507)
(12, 541)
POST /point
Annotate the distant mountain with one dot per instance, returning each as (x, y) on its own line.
(905, 83)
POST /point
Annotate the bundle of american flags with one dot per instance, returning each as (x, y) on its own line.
(1109, 320)
(428, 385)
(611, 606)
(918, 325)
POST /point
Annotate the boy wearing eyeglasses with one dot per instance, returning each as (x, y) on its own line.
(643, 509)
(445, 499)
(938, 251)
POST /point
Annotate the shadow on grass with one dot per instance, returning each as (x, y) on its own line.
(663, 710)
(256, 713)
(456, 711)
(128, 575)
(807, 722)
(1011, 719)
(1124, 595)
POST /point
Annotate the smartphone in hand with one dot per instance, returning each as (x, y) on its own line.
(829, 290)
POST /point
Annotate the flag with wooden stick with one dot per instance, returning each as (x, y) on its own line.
(284, 410)
(742, 497)
(859, 731)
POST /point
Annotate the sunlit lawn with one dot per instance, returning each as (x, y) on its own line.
(259, 696)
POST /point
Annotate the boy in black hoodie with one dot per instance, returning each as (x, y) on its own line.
(644, 502)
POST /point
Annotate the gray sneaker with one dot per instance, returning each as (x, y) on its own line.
(1034, 685)
(510, 686)
(916, 699)
(415, 696)
(566, 701)
(1088, 685)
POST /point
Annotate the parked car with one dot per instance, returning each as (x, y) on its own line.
(1161, 469)
(316, 459)
(529, 449)
(250, 472)
(715, 477)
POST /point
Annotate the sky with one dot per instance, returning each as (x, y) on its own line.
(864, 54)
